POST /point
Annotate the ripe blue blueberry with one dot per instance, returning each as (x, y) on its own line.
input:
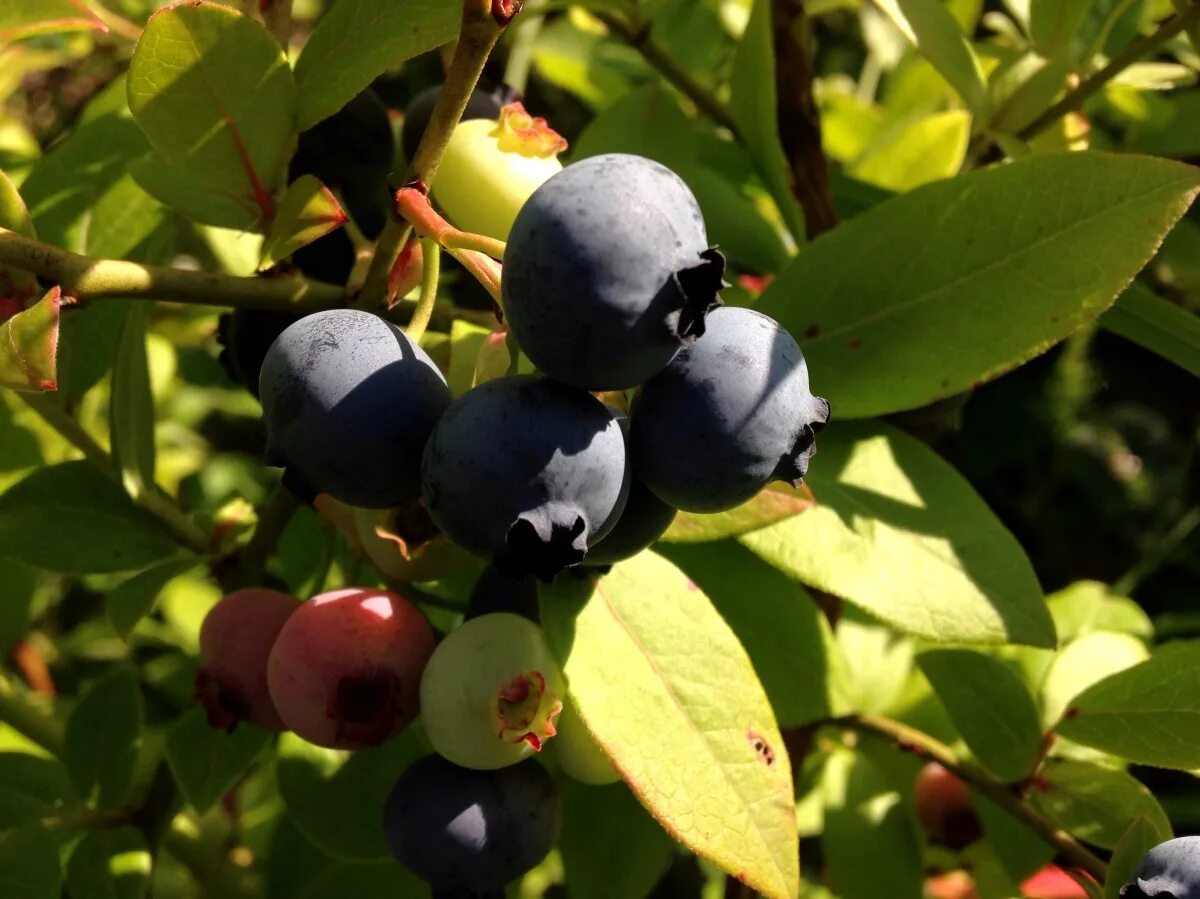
(526, 471)
(1170, 870)
(245, 336)
(608, 272)
(469, 832)
(484, 104)
(730, 413)
(644, 519)
(352, 152)
(349, 402)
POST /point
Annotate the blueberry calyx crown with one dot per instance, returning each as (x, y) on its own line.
(698, 292)
(544, 542)
(223, 703)
(794, 465)
(525, 710)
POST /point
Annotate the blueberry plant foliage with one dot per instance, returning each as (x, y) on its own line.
(942, 656)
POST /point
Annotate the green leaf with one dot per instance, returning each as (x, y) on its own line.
(882, 296)
(110, 864)
(753, 103)
(860, 802)
(1085, 607)
(28, 18)
(15, 217)
(104, 734)
(1053, 24)
(1148, 714)
(671, 696)
(206, 761)
(32, 788)
(336, 798)
(1002, 731)
(880, 660)
(1019, 851)
(929, 25)
(1142, 836)
(782, 629)
(213, 93)
(131, 405)
(29, 342)
(916, 151)
(296, 868)
(29, 866)
(308, 210)
(778, 502)
(73, 519)
(134, 598)
(1095, 803)
(355, 42)
(901, 534)
(601, 824)
(176, 187)
(1083, 662)
(1158, 325)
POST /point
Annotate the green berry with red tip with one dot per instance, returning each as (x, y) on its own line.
(491, 692)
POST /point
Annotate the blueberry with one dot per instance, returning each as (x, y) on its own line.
(1170, 870)
(329, 258)
(608, 272)
(730, 413)
(352, 152)
(469, 832)
(485, 103)
(644, 519)
(245, 336)
(495, 591)
(349, 402)
(527, 471)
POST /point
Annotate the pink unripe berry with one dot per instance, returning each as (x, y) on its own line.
(235, 642)
(345, 671)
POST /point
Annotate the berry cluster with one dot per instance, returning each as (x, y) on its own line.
(609, 285)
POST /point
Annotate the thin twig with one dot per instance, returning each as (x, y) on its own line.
(637, 36)
(482, 25)
(1000, 793)
(1136, 51)
(278, 16)
(84, 278)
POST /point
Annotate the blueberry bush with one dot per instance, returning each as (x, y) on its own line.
(605, 449)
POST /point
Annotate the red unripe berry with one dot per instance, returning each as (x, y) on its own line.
(235, 642)
(944, 808)
(1052, 882)
(345, 671)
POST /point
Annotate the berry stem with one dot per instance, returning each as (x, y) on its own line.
(1002, 794)
(273, 519)
(480, 30)
(85, 278)
(413, 204)
(432, 255)
(485, 269)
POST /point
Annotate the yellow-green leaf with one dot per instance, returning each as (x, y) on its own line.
(308, 210)
(916, 151)
(664, 686)
(776, 503)
(924, 296)
(1142, 836)
(213, 92)
(29, 346)
(1149, 714)
(936, 34)
(27, 18)
(1083, 662)
(898, 532)
(1095, 803)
